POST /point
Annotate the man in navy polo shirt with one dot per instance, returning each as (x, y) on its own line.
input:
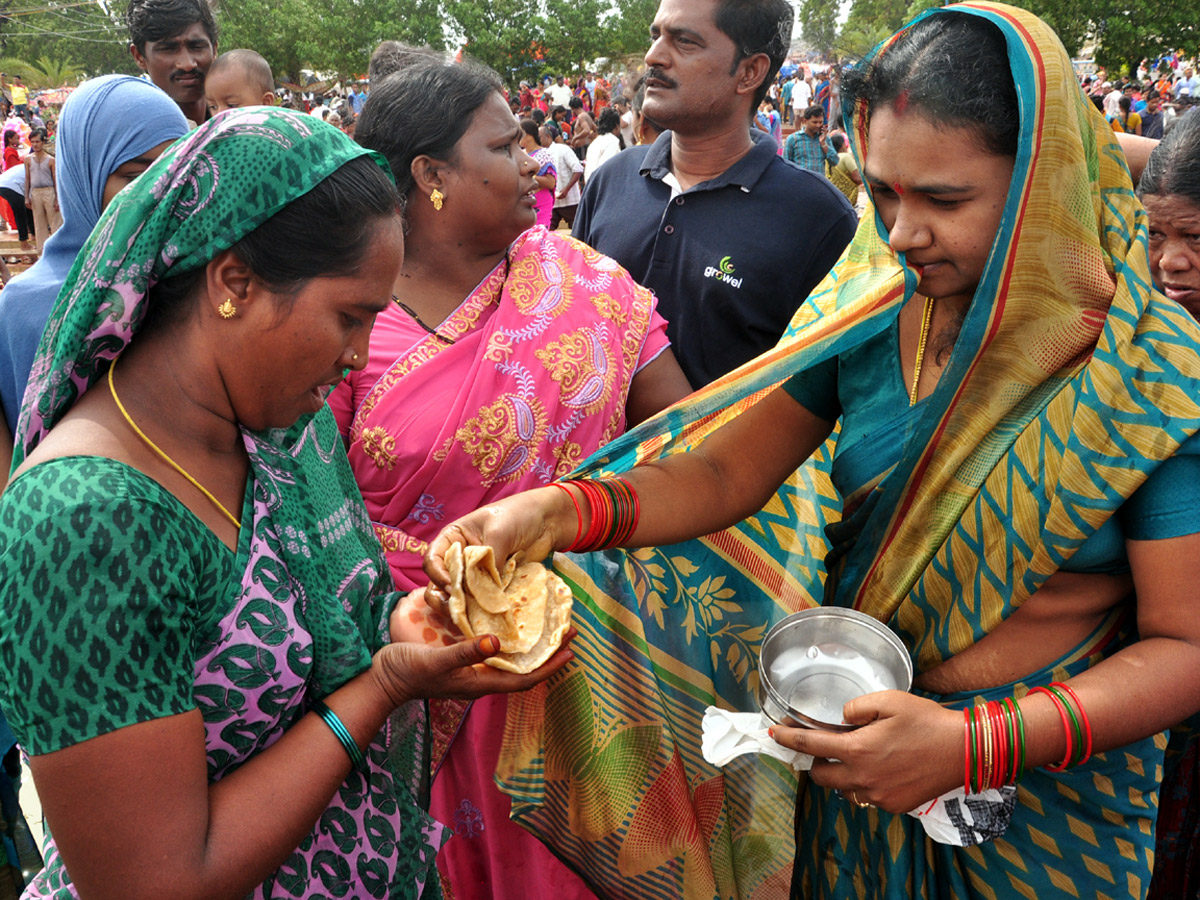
(729, 236)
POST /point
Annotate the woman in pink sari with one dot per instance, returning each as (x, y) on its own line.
(510, 355)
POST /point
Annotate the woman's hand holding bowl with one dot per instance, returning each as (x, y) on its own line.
(907, 751)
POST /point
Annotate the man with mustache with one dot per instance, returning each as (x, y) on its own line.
(174, 42)
(729, 236)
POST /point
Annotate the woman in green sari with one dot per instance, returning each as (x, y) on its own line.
(194, 612)
(1016, 464)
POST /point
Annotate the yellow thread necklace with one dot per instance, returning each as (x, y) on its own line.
(928, 318)
(112, 389)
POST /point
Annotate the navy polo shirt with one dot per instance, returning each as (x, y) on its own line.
(731, 259)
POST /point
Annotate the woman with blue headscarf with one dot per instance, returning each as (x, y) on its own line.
(110, 130)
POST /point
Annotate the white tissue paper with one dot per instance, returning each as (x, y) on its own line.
(726, 735)
(955, 818)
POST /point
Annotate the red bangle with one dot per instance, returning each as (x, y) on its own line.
(999, 725)
(980, 750)
(1087, 723)
(997, 750)
(1066, 722)
(578, 513)
(598, 510)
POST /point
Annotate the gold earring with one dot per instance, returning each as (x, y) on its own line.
(437, 197)
(227, 310)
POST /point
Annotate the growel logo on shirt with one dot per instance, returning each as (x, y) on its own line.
(723, 271)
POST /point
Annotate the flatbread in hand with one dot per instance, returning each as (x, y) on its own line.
(527, 607)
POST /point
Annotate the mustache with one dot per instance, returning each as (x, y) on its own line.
(653, 74)
(194, 73)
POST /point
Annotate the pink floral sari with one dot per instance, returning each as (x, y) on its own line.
(523, 381)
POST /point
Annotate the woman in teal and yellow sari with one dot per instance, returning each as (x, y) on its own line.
(1017, 471)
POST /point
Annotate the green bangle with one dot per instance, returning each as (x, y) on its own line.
(1077, 750)
(1010, 731)
(1021, 742)
(329, 717)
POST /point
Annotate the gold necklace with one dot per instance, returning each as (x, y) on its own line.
(112, 389)
(928, 318)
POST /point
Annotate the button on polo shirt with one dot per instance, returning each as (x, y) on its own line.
(731, 259)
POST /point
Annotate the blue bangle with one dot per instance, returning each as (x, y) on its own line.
(329, 717)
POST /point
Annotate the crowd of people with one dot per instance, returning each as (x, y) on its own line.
(930, 357)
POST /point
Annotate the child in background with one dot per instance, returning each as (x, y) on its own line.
(12, 149)
(238, 78)
(547, 175)
(40, 188)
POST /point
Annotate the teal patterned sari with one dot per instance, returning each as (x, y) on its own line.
(1070, 384)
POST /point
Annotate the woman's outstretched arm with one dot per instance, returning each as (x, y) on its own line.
(729, 477)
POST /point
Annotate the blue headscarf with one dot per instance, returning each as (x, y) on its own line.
(106, 122)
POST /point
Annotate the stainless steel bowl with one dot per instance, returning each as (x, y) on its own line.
(817, 660)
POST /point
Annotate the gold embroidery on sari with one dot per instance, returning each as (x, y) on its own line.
(503, 440)
(568, 456)
(379, 446)
(610, 309)
(582, 366)
(540, 287)
(393, 540)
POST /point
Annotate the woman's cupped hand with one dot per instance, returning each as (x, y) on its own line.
(907, 751)
(429, 657)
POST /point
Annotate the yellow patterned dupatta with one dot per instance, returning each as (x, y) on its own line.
(1070, 382)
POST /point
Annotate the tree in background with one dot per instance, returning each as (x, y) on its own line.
(42, 73)
(503, 34)
(327, 36)
(818, 22)
(1123, 32)
(519, 38)
(874, 17)
(523, 39)
(74, 39)
(576, 32)
(631, 29)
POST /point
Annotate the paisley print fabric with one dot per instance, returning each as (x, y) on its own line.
(536, 378)
(1071, 382)
(538, 375)
(248, 638)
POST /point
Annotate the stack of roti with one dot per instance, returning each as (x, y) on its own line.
(527, 607)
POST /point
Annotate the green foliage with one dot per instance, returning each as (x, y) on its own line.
(855, 42)
(575, 32)
(334, 36)
(42, 73)
(875, 16)
(818, 21)
(89, 40)
(1126, 35)
(919, 6)
(504, 34)
(1070, 19)
(631, 27)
